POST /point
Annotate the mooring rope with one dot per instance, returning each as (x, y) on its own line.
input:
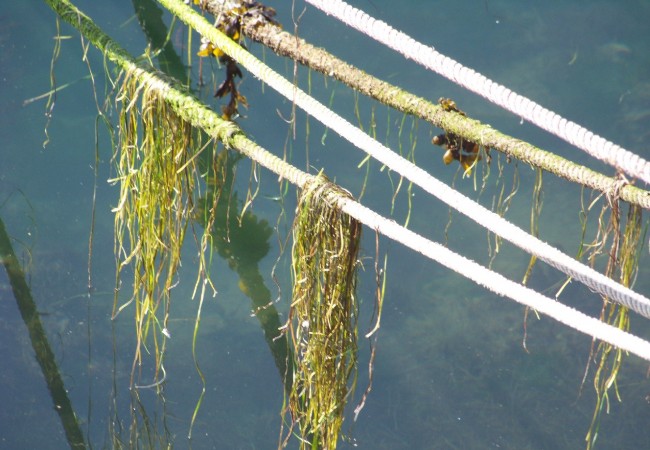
(187, 107)
(497, 283)
(481, 215)
(427, 56)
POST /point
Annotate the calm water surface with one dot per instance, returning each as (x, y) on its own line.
(450, 372)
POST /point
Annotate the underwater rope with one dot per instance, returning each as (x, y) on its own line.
(481, 215)
(190, 109)
(498, 94)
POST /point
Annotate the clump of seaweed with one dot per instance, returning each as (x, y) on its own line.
(229, 21)
(155, 165)
(323, 315)
(467, 153)
(621, 241)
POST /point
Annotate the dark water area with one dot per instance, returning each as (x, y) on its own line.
(451, 371)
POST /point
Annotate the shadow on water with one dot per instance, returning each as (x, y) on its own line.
(40, 343)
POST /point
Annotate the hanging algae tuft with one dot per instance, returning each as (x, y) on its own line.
(323, 313)
(157, 175)
(622, 263)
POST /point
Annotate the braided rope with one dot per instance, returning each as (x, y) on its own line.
(496, 282)
(571, 132)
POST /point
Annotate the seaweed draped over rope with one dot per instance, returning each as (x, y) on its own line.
(323, 312)
(620, 242)
(155, 172)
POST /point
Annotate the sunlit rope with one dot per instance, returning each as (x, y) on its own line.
(479, 274)
(481, 215)
(571, 132)
(496, 282)
(191, 110)
(467, 268)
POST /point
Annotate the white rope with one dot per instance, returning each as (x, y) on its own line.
(479, 274)
(497, 283)
(410, 171)
(571, 132)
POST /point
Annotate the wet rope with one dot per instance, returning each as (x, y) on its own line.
(571, 132)
(481, 215)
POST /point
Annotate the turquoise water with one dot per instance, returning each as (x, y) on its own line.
(450, 371)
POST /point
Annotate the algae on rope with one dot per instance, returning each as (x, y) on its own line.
(323, 316)
(620, 242)
(156, 171)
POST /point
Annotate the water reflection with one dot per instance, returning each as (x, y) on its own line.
(451, 371)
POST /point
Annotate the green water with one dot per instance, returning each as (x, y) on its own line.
(450, 371)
